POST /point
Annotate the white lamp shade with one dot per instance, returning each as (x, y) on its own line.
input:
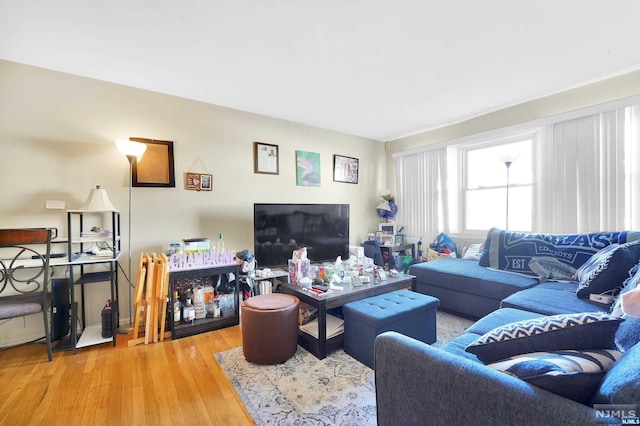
(384, 205)
(509, 155)
(131, 148)
(98, 201)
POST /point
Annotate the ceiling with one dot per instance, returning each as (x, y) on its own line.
(372, 68)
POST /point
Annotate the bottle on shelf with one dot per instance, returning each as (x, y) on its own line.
(189, 312)
(176, 308)
(216, 308)
(198, 302)
(220, 245)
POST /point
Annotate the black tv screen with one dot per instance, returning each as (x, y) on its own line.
(279, 229)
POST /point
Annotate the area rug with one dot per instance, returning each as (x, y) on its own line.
(337, 390)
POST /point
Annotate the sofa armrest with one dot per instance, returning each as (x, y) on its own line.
(417, 384)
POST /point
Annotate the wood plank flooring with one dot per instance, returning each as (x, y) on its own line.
(167, 383)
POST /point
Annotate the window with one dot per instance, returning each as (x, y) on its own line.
(489, 183)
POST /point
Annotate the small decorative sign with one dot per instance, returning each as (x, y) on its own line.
(198, 181)
(183, 262)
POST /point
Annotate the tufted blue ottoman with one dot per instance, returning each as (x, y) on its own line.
(412, 314)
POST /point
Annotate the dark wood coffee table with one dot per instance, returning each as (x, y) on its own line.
(321, 346)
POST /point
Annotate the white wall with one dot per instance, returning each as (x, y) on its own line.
(57, 134)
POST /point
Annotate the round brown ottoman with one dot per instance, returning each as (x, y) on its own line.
(269, 328)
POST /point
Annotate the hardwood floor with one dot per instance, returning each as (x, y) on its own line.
(172, 382)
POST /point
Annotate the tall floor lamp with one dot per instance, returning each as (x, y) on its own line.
(131, 150)
(508, 157)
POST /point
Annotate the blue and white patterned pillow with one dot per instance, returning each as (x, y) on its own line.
(573, 374)
(587, 330)
(607, 270)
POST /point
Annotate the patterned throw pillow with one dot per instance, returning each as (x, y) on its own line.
(573, 374)
(474, 251)
(606, 270)
(587, 330)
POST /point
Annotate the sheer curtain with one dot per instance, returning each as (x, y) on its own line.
(583, 181)
(422, 192)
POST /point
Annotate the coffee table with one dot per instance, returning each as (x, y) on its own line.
(321, 346)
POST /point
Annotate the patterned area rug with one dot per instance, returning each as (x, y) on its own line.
(337, 390)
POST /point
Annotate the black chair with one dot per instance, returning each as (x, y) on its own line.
(373, 251)
(25, 275)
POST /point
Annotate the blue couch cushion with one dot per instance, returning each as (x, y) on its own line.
(499, 318)
(467, 276)
(573, 374)
(621, 385)
(457, 346)
(552, 298)
(606, 271)
(628, 334)
(587, 330)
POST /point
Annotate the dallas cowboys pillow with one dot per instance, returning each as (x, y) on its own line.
(573, 374)
(607, 270)
(587, 330)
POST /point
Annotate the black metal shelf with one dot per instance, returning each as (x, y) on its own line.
(94, 277)
(205, 324)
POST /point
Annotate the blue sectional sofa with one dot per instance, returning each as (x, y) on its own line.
(469, 381)
(510, 268)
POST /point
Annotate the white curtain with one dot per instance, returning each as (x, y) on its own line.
(582, 182)
(632, 168)
(587, 179)
(422, 193)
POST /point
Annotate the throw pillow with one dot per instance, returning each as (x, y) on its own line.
(473, 252)
(606, 270)
(587, 330)
(573, 374)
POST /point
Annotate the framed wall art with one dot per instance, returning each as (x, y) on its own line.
(307, 168)
(198, 181)
(387, 240)
(155, 168)
(266, 158)
(345, 169)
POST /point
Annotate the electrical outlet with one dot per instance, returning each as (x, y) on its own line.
(54, 205)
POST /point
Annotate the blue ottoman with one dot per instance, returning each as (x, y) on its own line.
(412, 314)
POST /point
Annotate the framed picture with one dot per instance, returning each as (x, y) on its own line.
(386, 240)
(387, 228)
(266, 158)
(399, 240)
(198, 181)
(345, 169)
(155, 168)
(308, 168)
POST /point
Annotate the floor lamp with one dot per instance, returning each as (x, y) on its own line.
(131, 150)
(508, 157)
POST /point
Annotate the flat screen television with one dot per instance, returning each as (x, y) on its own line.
(279, 229)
